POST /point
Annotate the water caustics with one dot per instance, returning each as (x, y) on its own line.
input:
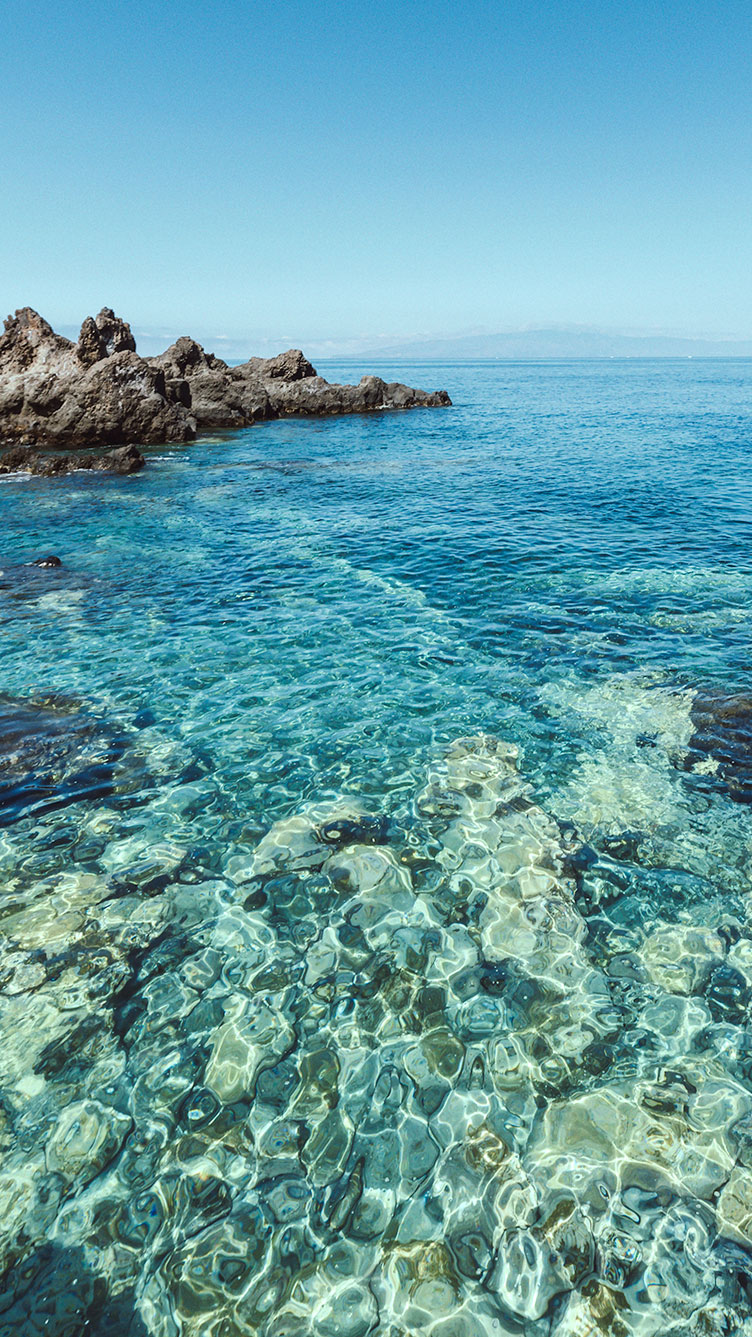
(375, 846)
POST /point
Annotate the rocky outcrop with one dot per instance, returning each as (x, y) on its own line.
(221, 396)
(99, 392)
(216, 396)
(289, 366)
(24, 459)
(96, 392)
(314, 395)
(103, 335)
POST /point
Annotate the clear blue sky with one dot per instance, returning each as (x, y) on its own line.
(334, 170)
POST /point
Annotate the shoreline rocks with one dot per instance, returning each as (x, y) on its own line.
(100, 392)
(24, 459)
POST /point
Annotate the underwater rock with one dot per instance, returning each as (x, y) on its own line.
(330, 1296)
(368, 871)
(85, 1139)
(619, 785)
(735, 1207)
(595, 1310)
(253, 1036)
(608, 1136)
(355, 831)
(55, 1292)
(368, 1092)
(327, 1147)
(297, 842)
(528, 1274)
(213, 1274)
(100, 392)
(680, 957)
(498, 841)
(52, 753)
(721, 741)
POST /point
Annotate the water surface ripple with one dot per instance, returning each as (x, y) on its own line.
(375, 844)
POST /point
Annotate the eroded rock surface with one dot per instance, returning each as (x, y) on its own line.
(98, 391)
(25, 459)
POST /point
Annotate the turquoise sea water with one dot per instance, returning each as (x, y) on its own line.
(376, 934)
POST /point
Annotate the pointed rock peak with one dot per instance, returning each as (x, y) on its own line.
(115, 332)
(290, 366)
(188, 352)
(27, 321)
(90, 347)
(185, 357)
(103, 335)
(28, 336)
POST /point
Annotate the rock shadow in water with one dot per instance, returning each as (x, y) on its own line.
(721, 742)
(52, 753)
(53, 1292)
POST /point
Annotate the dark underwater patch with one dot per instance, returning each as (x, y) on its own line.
(722, 733)
(53, 752)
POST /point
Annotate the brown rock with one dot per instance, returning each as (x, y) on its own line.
(29, 340)
(23, 459)
(206, 385)
(317, 397)
(102, 336)
(115, 333)
(98, 391)
(289, 366)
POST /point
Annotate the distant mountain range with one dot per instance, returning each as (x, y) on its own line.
(560, 343)
(523, 345)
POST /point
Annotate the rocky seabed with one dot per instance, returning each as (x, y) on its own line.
(378, 1075)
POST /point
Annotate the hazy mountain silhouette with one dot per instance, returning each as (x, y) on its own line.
(562, 343)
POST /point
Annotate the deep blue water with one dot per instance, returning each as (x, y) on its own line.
(302, 619)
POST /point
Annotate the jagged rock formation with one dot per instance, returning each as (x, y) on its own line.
(98, 391)
(103, 335)
(54, 392)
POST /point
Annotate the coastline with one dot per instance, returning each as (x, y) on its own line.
(98, 392)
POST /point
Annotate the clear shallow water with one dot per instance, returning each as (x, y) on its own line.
(323, 1011)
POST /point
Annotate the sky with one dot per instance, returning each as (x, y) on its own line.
(352, 172)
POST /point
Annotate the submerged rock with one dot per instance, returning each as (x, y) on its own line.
(98, 391)
(86, 1138)
(52, 752)
(253, 1037)
(680, 957)
(390, 1095)
(721, 741)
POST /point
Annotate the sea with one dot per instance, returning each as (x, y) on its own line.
(375, 867)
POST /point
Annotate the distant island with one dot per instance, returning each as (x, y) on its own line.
(97, 392)
(553, 342)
